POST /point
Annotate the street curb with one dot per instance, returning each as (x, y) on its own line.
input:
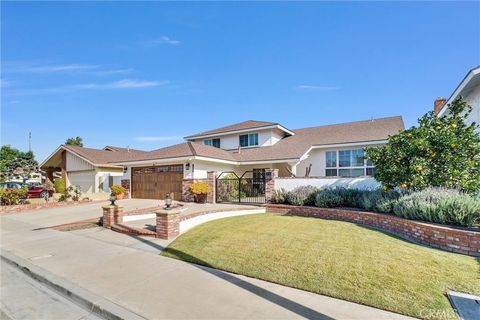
(87, 300)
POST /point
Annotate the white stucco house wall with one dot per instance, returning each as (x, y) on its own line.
(468, 89)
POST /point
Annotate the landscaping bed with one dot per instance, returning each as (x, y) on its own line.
(333, 258)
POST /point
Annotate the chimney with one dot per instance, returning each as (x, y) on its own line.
(438, 104)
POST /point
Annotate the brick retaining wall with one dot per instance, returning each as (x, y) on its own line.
(4, 210)
(458, 240)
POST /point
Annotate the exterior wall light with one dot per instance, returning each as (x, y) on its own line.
(168, 201)
(113, 198)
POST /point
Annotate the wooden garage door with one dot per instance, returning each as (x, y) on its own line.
(156, 182)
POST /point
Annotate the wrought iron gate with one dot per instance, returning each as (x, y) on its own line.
(248, 188)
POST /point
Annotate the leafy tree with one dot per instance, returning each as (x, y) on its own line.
(78, 141)
(16, 162)
(440, 152)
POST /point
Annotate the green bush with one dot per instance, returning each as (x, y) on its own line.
(60, 185)
(440, 205)
(10, 197)
(328, 198)
(279, 196)
(377, 200)
(72, 192)
(302, 196)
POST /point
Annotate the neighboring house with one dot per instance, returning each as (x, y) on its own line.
(87, 168)
(249, 148)
(468, 89)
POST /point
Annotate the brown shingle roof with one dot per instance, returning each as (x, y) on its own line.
(291, 147)
(250, 124)
(104, 157)
(185, 149)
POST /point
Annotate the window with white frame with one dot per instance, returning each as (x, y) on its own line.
(212, 142)
(348, 163)
(248, 140)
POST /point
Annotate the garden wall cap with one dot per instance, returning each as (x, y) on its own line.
(168, 211)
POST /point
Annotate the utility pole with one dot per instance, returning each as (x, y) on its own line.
(29, 141)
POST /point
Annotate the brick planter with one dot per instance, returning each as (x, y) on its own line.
(458, 240)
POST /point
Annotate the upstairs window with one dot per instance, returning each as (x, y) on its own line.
(248, 140)
(212, 142)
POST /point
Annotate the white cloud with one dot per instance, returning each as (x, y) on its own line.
(158, 138)
(316, 88)
(36, 67)
(121, 84)
(163, 40)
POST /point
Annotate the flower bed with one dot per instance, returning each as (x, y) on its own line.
(458, 240)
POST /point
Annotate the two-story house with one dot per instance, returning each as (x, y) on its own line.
(246, 148)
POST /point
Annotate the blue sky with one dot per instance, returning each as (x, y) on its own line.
(145, 74)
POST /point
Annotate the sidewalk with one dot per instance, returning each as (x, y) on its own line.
(156, 287)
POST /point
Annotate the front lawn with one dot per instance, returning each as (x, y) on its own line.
(333, 258)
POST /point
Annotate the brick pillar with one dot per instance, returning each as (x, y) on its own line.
(270, 176)
(168, 223)
(212, 180)
(187, 196)
(117, 214)
(108, 216)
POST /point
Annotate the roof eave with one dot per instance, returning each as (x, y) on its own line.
(217, 134)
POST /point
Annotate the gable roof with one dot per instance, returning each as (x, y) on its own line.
(469, 83)
(294, 147)
(289, 148)
(122, 149)
(185, 149)
(241, 126)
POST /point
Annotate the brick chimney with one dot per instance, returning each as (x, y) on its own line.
(438, 104)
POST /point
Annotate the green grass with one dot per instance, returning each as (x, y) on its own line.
(333, 258)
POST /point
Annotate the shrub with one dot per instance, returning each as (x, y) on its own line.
(60, 185)
(73, 192)
(200, 187)
(117, 189)
(378, 200)
(302, 196)
(280, 196)
(446, 206)
(328, 198)
(48, 185)
(10, 197)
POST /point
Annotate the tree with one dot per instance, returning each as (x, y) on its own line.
(74, 142)
(15, 162)
(440, 151)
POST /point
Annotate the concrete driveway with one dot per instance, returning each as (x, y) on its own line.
(142, 283)
(55, 216)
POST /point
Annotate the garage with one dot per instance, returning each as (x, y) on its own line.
(83, 179)
(156, 182)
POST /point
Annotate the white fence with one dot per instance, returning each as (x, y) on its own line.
(364, 183)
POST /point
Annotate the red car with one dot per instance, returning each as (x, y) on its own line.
(33, 191)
